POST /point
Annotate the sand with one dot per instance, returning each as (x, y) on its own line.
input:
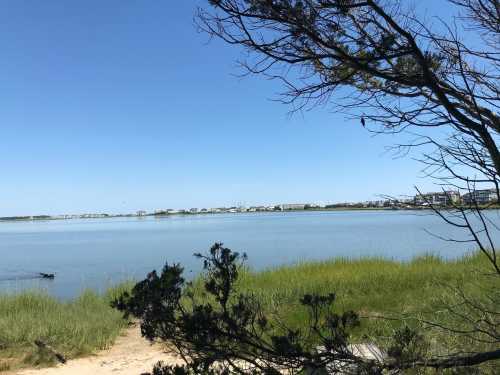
(133, 355)
(130, 355)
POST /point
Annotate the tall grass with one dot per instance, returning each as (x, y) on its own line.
(388, 295)
(370, 286)
(74, 328)
(367, 284)
(376, 288)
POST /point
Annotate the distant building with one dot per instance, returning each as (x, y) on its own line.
(141, 213)
(193, 210)
(442, 198)
(313, 205)
(293, 206)
(480, 196)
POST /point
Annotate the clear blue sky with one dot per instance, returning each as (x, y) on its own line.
(117, 106)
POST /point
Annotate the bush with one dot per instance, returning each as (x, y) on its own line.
(223, 330)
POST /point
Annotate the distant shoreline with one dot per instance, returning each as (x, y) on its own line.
(187, 213)
(110, 216)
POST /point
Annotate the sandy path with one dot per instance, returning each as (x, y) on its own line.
(130, 355)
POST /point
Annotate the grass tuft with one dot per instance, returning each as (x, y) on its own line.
(74, 328)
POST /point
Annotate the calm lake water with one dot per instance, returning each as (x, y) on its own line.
(97, 253)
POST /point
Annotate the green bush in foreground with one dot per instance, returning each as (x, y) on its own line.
(74, 328)
(305, 318)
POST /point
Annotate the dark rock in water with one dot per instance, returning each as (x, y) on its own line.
(47, 275)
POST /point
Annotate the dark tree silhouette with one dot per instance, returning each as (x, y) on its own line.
(397, 71)
(389, 65)
(227, 331)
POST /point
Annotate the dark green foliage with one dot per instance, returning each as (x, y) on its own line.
(225, 331)
(154, 300)
(408, 346)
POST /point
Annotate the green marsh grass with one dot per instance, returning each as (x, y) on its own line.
(373, 287)
(367, 284)
(378, 289)
(73, 328)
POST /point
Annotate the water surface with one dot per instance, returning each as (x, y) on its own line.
(95, 253)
